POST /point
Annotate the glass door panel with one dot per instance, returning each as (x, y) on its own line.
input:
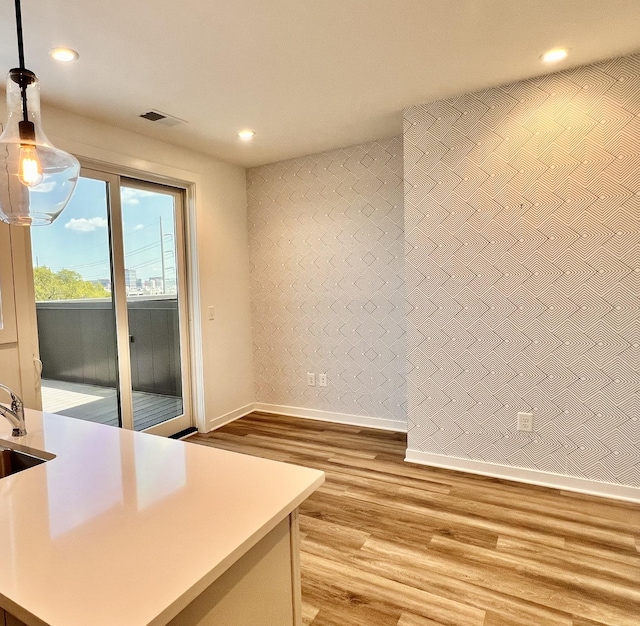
(111, 306)
(75, 308)
(150, 221)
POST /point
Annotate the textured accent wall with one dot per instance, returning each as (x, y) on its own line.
(522, 217)
(327, 280)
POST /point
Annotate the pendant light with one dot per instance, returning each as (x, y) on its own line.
(36, 179)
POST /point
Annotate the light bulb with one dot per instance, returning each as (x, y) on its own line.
(247, 134)
(30, 170)
(555, 55)
(64, 55)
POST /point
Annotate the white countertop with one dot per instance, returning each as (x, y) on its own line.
(124, 528)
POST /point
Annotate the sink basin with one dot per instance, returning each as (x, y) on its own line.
(14, 461)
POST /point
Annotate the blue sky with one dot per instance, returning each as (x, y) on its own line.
(79, 238)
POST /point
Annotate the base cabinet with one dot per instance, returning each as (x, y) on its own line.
(6, 619)
(261, 587)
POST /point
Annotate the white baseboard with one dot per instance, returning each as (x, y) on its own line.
(218, 422)
(522, 475)
(493, 470)
(337, 418)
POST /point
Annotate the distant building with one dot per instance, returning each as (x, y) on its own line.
(156, 284)
(130, 279)
(105, 282)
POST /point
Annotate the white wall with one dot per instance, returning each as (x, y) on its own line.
(9, 361)
(18, 368)
(220, 231)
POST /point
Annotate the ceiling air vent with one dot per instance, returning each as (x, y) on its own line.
(162, 118)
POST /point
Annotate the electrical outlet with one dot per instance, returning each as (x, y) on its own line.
(311, 379)
(525, 422)
(212, 313)
(322, 380)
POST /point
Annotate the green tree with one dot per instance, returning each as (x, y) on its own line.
(64, 285)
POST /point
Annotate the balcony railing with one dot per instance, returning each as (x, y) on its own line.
(77, 343)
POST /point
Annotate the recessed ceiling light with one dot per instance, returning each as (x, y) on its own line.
(555, 55)
(64, 55)
(247, 135)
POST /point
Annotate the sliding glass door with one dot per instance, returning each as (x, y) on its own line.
(110, 287)
(153, 253)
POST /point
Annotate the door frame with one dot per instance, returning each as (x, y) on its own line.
(189, 304)
(167, 427)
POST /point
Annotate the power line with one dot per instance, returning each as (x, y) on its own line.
(106, 261)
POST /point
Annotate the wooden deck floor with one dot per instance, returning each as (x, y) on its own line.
(99, 404)
(385, 542)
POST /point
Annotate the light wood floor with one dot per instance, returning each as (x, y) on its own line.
(100, 404)
(390, 542)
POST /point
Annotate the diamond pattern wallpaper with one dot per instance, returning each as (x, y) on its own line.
(326, 238)
(522, 218)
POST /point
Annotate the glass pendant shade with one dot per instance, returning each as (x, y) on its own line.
(36, 179)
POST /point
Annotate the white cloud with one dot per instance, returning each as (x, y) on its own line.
(132, 196)
(84, 225)
(138, 227)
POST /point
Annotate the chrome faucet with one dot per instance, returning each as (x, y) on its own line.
(15, 414)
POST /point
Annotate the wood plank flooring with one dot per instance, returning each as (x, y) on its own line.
(389, 542)
(100, 404)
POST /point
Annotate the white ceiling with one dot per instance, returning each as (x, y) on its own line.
(306, 75)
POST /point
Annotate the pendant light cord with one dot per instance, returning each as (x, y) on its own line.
(23, 86)
(19, 30)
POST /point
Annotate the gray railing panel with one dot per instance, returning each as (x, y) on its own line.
(77, 343)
